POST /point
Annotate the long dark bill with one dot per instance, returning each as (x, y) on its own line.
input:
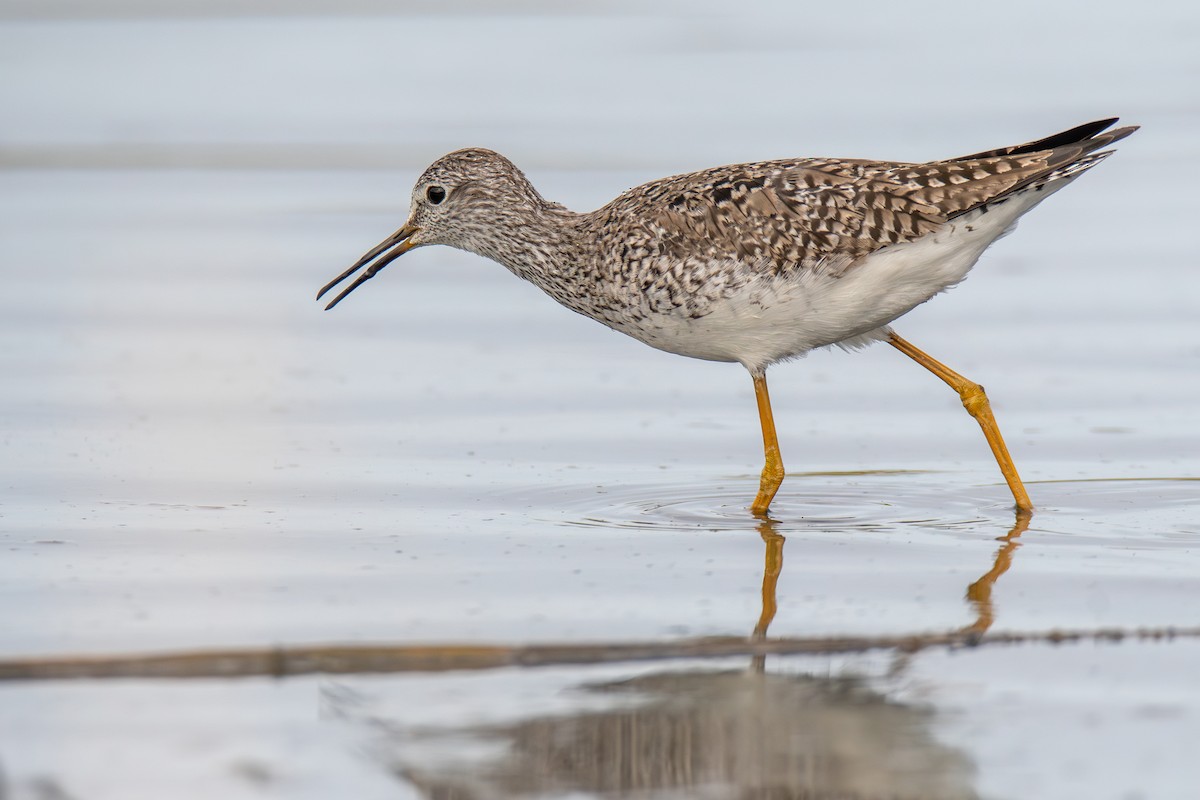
(392, 248)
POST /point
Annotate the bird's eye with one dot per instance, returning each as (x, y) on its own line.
(435, 194)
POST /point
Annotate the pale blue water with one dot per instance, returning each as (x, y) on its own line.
(195, 455)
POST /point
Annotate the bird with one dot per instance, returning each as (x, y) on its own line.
(754, 263)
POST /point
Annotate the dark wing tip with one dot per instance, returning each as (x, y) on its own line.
(1077, 135)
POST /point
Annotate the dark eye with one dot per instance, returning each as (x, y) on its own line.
(435, 194)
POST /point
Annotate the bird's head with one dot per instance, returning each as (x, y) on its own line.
(465, 199)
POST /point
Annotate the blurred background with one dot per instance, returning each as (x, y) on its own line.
(194, 454)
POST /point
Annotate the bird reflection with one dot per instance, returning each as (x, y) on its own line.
(703, 734)
(742, 734)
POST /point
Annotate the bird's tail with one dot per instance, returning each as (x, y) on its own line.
(1080, 140)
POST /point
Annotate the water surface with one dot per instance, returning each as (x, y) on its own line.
(196, 456)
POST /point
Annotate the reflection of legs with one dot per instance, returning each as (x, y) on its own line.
(976, 403)
(772, 473)
(979, 593)
(772, 568)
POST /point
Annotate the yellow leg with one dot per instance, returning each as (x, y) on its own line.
(772, 473)
(975, 401)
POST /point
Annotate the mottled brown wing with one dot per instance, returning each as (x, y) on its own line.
(960, 186)
(828, 213)
(786, 215)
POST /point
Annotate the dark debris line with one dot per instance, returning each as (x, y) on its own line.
(284, 661)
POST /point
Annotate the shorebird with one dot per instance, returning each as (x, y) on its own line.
(754, 263)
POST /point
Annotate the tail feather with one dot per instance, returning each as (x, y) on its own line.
(1088, 134)
(1061, 157)
(1077, 167)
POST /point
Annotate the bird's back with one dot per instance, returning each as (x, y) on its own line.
(789, 214)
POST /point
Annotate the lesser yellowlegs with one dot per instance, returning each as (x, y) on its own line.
(754, 263)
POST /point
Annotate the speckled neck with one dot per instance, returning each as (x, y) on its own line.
(541, 245)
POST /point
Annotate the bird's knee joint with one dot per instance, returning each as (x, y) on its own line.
(974, 399)
(772, 474)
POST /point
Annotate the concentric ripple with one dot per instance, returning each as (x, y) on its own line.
(844, 501)
(826, 501)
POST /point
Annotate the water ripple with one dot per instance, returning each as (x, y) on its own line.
(826, 501)
(843, 502)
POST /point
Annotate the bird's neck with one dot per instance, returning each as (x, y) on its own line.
(539, 247)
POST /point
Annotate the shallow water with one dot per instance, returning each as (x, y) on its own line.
(196, 456)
